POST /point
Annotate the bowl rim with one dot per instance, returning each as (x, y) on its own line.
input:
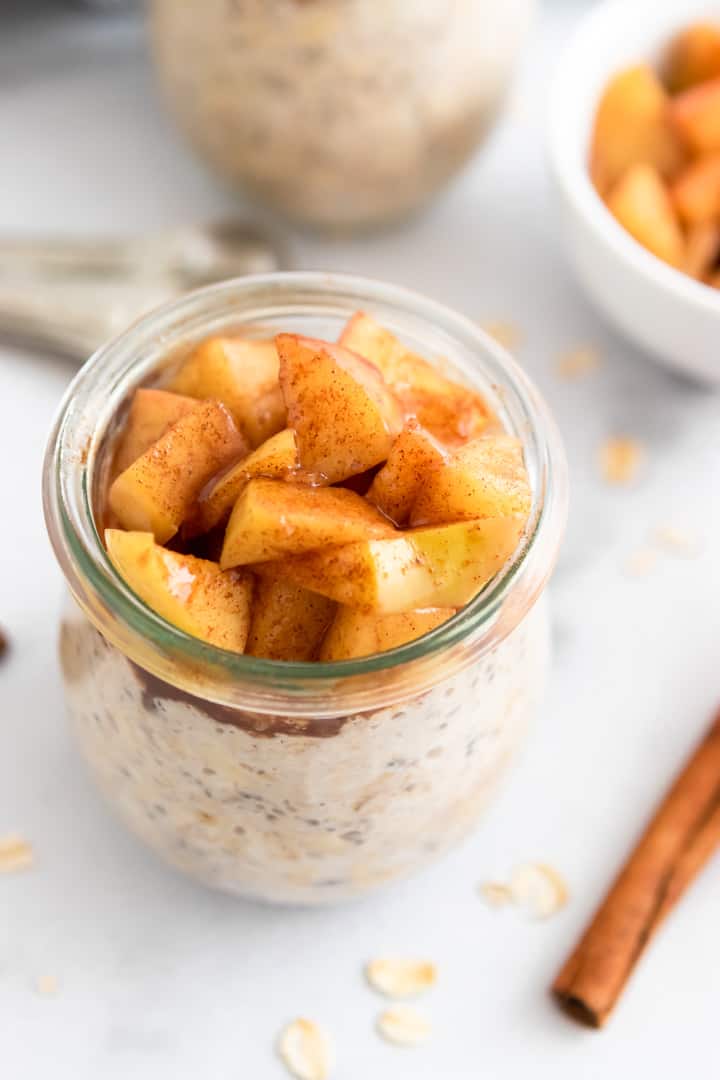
(568, 165)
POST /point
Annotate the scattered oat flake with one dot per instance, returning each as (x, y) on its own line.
(620, 459)
(677, 541)
(496, 893)
(578, 362)
(506, 334)
(404, 1026)
(519, 108)
(398, 978)
(47, 985)
(305, 1049)
(15, 854)
(539, 889)
(641, 562)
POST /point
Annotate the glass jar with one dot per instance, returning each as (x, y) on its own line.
(297, 782)
(338, 113)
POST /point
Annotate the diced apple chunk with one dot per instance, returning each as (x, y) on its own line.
(275, 459)
(695, 115)
(156, 492)
(693, 56)
(438, 567)
(343, 413)
(368, 338)
(274, 518)
(397, 485)
(193, 594)
(642, 205)
(632, 127)
(288, 622)
(484, 478)
(702, 249)
(362, 633)
(696, 191)
(150, 415)
(244, 376)
(450, 411)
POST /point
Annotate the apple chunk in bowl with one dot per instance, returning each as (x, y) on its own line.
(652, 296)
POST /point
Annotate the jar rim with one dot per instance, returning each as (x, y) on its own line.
(72, 454)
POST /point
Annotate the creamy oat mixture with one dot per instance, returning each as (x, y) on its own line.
(337, 112)
(298, 818)
(299, 500)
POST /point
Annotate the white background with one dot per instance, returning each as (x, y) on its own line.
(160, 979)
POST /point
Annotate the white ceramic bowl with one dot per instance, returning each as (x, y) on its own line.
(673, 316)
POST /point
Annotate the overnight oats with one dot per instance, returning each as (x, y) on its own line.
(338, 113)
(307, 522)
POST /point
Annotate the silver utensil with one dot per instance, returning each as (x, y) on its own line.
(71, 294)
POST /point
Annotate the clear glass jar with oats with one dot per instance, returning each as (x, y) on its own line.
(338, 113)
(297, 781)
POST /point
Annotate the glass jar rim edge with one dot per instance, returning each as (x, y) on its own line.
(468, 622)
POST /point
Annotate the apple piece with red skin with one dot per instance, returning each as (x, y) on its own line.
(450, 411)
(397, 485)
(344, 415)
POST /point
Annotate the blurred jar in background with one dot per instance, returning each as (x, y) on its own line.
(338, 113)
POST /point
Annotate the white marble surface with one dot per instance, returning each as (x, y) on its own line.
(163, 981)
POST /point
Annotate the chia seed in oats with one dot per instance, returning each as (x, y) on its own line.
(207, 797)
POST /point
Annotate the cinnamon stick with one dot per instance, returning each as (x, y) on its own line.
(674, 848)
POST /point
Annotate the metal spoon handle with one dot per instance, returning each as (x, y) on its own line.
(71, 294)
(72, 321)
(191, 255)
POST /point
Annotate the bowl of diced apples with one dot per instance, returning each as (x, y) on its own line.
(635, 154)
